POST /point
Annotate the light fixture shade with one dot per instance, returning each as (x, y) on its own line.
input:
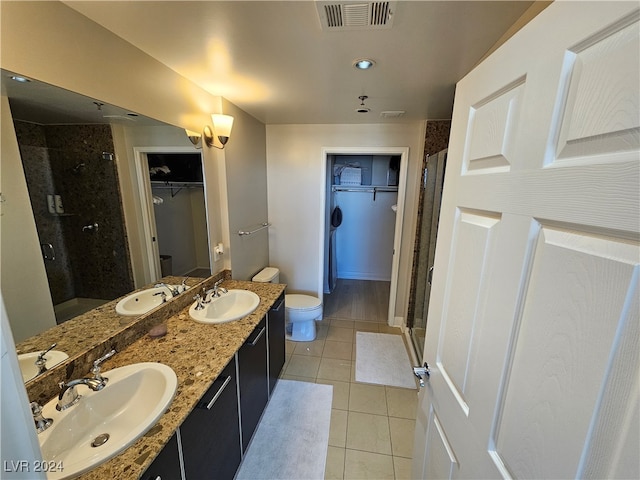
(222, 125)
(194, 137)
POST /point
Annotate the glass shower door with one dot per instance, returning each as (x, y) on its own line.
(433, 178)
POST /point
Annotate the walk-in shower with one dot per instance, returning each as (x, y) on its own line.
(75, 197)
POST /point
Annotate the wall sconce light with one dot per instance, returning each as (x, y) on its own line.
(194, 137)
(222, 125)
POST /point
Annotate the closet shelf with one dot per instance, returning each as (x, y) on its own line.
(364, 188)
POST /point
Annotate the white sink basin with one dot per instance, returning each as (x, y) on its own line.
(143, 301)
(27, 362)
(229, 306)
(130, 404)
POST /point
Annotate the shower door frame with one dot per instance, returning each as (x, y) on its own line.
(432, 183)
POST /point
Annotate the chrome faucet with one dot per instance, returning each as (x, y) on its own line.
(163, 295)
(41, 362)
(200, 300)
(174, 291)
(215, 291)
(41, 423)
(69, 395)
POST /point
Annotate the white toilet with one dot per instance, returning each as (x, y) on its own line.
(301, 311)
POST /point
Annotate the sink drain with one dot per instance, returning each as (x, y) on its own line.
(100, 440)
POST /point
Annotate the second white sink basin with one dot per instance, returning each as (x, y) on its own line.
(143, 301)
(111, 419)
(27, 362)
(229, 306)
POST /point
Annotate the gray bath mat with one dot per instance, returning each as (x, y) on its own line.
(293, 436)
(382, 358)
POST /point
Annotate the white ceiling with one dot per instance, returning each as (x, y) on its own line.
(273, 59)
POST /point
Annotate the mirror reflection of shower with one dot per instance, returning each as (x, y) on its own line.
(73, 184)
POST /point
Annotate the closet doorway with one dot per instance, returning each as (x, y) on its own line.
(173, 196)
(363, 203)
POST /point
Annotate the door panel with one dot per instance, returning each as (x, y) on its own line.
(576, 281)
(441, 462)
(533, 332)
(601, 108)
(467, 273)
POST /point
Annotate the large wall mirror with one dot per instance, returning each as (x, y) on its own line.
(68, 145)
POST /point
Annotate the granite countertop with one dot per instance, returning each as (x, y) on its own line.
(197, 353)
(91, 335)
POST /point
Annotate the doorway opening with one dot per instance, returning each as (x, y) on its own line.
(173, 197)
(363, 198)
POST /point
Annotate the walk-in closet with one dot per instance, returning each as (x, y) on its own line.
(361, 215)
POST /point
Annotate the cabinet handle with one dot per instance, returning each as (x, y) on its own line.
(279, 306)
(255, 340)
(218, 393)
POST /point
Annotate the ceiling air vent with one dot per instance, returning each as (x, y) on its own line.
(392, 114)
(341, 16)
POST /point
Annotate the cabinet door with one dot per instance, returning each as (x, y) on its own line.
(166, 466)
(254, 385)
(211, 432)
(276, 339)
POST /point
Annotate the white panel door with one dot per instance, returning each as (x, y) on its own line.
(533, 333)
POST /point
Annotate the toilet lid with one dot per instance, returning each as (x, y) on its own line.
(301, 302)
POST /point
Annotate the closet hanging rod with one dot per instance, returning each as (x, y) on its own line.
(366, 189)
(338, 188)
(251, 232)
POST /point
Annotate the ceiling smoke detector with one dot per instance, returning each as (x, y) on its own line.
(349, 15)
(362, 108)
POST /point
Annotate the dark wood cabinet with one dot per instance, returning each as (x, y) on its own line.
(211, 441)
(211, 433)
(275, 341)
(167, 465)
(207, 444)
(253, 381)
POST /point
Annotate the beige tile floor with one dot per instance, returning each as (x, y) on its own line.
(371, 433)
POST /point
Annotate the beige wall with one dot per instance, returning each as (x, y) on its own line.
(246, 193)
(23, 279)
(295, 175)
(51, 42)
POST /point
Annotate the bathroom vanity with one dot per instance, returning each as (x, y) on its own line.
(240, 359)
(211, 441)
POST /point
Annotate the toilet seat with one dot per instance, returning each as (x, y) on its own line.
(301, 302)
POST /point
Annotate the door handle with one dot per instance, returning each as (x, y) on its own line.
(422, 373)
(430, 275)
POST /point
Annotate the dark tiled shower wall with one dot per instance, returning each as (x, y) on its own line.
(436, 140)
(68, 161)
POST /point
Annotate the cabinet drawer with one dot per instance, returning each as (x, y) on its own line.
(211, 432)
(254, 384)
(166, 466)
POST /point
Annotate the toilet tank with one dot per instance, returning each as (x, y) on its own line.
(267, 275)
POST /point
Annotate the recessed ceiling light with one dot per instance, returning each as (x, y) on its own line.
(364, 64)
(20, 79)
